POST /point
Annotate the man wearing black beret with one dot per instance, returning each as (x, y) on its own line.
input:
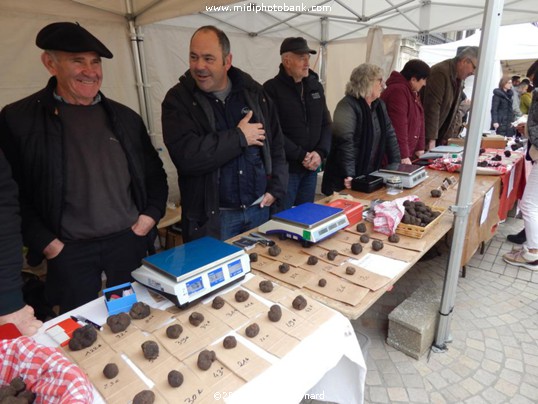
(92, 186)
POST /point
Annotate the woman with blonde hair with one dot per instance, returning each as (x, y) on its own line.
(363, 136)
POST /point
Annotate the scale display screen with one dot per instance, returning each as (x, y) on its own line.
(215, 277)
(194, 285)
(235, 268)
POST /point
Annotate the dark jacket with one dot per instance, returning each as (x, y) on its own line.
(406, 114)
(198, 150)
(306, 126)
(441, 98)
(502, 112)
(348, 143)
(31, 135)
(10, 243)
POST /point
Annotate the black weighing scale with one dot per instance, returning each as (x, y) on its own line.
(410, 174)
(188, 272)
(309, 223)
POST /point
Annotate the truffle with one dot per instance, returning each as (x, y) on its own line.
(507, 153)
(118, 322)
(252, 330)
(299, 303)
(497, 157)
(7, 391)
(283, 268)
(331, 255)
(111, 370)
(14, 400)
(196, 318)
(274, 250)
(83, 338)
(18, 384)
(436, 193)
(266, 286)
(356, 248)
(144, 397)
(174, 331)
(139, 310)
(275, 313)
(394, 238)
(175, 378)
(322, 282)
(27, 395)
(229, 342)
(377, 245)
(241, 296)
(150, 350)
(253, 257)
(217, 303)
(205, 359)
(364, 238)
(350, 270)
(312, 260)
(361, 227)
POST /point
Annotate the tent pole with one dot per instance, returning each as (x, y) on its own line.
(488, 45)
(145, 80)
(323, 50)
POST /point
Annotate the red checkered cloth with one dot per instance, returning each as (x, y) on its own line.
(46, 372)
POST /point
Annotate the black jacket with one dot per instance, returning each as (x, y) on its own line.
(10, 243)
(31, 135)
(306, 126)
(198, 150)
(502, 112)
(349, 143)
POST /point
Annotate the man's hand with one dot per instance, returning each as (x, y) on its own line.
(53, 249)
(419, 153)
(24, 320)
(143, 225)
(495, 125)
(267, 200)
(312, 161)
(406, 160)
(347, 182)
(431, 144)
(254, 132)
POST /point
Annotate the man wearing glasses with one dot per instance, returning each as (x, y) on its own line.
(441, 97)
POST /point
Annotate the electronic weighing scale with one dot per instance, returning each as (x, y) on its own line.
(191, 271)
(411, 174)
(308, 222)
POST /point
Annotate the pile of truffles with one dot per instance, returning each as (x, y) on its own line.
(418, 214)
(15, 392)
(82, 338)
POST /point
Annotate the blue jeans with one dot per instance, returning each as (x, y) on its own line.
(301, 188)
(237, 221)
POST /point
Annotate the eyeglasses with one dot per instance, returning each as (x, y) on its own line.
(472, 64)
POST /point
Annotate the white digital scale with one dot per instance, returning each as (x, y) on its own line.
(309, 222)
(191, 271)
(410, 174)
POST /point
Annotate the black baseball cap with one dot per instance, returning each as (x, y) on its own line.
(295, 45)
(70, 37)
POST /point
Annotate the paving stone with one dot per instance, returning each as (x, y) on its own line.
(484, 377)
(507, 388)
(373, 378)
(379, 395)
(415, 381)
(491, 366)
(472, 386)
(397, 394)
(493, 396)
(529, 391)
(511, 376)
(417, 395)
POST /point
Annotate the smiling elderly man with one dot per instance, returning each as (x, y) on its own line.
(92, 186)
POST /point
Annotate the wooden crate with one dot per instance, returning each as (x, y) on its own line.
(418, 231)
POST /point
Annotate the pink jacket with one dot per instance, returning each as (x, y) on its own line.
(406, 113)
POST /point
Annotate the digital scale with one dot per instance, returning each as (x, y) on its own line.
(410, 174)
(191, 271)
(309, 222)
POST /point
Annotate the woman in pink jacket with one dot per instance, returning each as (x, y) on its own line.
(405, 109)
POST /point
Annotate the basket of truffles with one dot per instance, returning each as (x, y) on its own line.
(418, 219)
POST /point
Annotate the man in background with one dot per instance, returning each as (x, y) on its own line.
(223, 135)
(304, 118)
(442, 96)
(92, 186)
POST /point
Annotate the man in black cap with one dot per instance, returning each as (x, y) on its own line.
(225, 141)
(92, 186)
(304, 118)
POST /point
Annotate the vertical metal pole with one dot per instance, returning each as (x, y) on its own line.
(323, 56)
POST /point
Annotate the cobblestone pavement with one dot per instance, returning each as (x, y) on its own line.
(494, 354)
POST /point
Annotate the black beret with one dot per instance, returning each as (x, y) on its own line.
(70, 37)
(295, 45)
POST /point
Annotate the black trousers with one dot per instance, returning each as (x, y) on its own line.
(74, 276)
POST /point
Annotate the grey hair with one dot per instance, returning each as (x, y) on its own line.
(362, 80)
(470, 52)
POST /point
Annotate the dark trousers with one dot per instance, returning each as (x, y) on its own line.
(74, 276)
